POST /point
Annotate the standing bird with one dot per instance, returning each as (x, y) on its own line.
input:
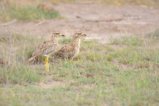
(70, 51)
(46, 48)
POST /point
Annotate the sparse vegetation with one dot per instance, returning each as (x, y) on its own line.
(134, 2)
(28, 11)
(25, 13)
(154, 34)
(103, 74)
(122, 72)
(130, 41)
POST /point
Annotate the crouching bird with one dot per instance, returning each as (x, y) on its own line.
(70, 51)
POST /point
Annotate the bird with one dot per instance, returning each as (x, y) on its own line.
(70, 51)
(45, 48)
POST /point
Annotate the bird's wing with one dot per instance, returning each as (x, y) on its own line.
(64, 50)
(40, 49)
(50, 49)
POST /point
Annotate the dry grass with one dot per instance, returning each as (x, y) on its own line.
(15, 10)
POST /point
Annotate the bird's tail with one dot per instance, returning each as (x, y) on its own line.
(31, 60)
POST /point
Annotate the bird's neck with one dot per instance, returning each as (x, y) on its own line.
(54, 40)
(77, 42)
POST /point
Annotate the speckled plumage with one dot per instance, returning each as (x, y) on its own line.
(45, 48)
(70, 51)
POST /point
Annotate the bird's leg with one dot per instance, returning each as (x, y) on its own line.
(46, 63)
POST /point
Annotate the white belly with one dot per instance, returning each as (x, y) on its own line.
(77, 49)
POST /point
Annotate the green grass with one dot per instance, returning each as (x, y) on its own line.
(26, 13)
(130, 41)
(124, 72)
(20, 74)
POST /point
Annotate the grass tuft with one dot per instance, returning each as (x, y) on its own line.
(19, 74)
(26, 13)
(129, 41)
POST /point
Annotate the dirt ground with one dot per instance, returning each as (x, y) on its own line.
(97, 21)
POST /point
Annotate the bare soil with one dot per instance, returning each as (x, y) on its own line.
(96, 20)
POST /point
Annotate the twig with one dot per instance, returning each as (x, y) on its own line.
(8, 23)
(41, 22)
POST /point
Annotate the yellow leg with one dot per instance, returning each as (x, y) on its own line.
(46, 63)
